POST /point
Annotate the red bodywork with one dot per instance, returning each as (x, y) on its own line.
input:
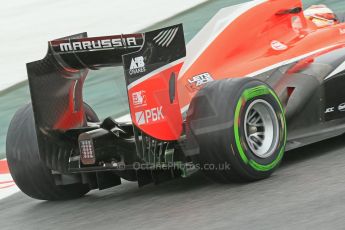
(243, 40)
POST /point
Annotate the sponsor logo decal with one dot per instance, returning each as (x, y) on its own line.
(165, 37)
(329, 110)
(149, 116)
(341, 107)
(342, 31)
(98, 44)
(137, 65)
(276, 45)
(199, 81)
(139, 99)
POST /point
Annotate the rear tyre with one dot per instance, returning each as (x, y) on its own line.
(239, 129)
(30, 174)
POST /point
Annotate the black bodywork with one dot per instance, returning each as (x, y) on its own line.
(308, 94)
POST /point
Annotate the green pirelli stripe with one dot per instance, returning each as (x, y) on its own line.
(248, 95)
(237, 135)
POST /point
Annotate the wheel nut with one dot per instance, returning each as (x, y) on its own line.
(252, 129)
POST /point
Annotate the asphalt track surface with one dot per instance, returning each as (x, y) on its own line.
(306, 192)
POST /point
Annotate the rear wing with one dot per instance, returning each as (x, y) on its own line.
(56, 82)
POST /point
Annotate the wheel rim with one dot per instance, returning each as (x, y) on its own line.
(261, 128)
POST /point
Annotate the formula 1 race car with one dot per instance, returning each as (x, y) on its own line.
(259, 79)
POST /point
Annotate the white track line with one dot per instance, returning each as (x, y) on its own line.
(7, 185)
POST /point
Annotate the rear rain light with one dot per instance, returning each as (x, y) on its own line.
(87, 152)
